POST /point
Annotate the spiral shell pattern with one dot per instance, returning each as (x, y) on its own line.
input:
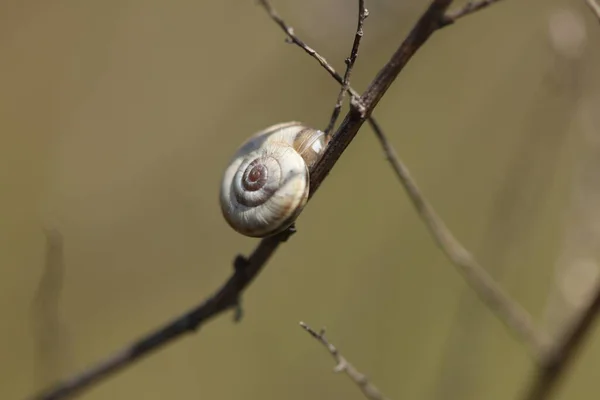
(266, 185)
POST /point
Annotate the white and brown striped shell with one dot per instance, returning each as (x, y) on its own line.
(266, 185)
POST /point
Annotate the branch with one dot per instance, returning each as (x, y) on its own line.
(595, 7)
(342, 365)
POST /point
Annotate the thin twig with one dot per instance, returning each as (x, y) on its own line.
(595, 7)
(342, 365)
(517, 319)
(363, 13)
(291, 36)
(469, 8)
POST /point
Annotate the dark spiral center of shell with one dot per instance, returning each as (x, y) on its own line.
(255, 176)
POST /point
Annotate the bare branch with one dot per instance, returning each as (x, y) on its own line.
(342, 365)
(469, 8)
(595, 7)
(580, 294)
(363, 13)
(291, 36)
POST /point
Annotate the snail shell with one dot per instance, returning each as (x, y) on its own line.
(266, 185)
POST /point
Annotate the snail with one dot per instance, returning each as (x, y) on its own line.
(266, 184)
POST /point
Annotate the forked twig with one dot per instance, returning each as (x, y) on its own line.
(342, 365)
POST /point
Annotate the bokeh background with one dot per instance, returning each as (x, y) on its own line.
(117, 119)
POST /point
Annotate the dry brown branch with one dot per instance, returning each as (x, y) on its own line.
(595, 7)
(342, 365)
(246, 269)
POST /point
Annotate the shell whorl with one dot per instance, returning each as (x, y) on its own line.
(266, 185)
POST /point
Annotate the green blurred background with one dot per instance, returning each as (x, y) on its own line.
(117, 119)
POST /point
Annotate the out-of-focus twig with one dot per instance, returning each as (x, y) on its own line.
(363, 13)
(370, 391)
(595, 7)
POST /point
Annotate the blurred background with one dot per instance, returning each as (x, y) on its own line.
(117, 119)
